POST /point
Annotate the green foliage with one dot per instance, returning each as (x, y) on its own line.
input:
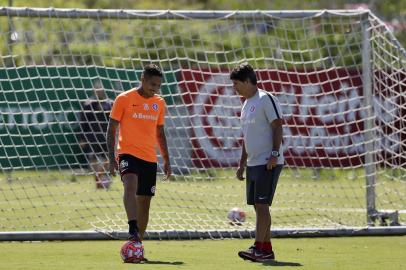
(119, 43)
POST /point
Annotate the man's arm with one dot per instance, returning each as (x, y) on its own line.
(111, 144)
(277, 131)
(242, 163)
(164, 150)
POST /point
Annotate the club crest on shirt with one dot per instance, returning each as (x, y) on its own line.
(146, 107)
(153, 189)
(155, 107)
(123, 164)
(252, 109)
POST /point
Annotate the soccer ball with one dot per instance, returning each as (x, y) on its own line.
(132, 252)
(236, 216)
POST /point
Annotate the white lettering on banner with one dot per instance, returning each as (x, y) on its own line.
(40, 118)
(319, 138)
(37, 118)
(324, 109)
(332, 107)
(308, 101)
(347, 106)
(354, 102)
(221, 120)
(332, 118)
(288, 98)
(385, 109)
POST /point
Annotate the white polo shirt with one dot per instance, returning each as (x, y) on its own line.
(257, 114)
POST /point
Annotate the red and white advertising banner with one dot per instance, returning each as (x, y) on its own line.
(324, 113)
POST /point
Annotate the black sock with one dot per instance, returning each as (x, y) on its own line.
(132, 226)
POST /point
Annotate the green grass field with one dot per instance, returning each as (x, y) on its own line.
(42, 201)
(349, 253)
(51, 201)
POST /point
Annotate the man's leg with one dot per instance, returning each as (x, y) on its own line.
(260, 191)
(249, 254)
(130, 182)
(275, 173)
(262, 223)
(267, 246)
(269, 233)
(263, 233)
(264, 219)
(143, 205)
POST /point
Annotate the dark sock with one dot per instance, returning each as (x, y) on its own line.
(132, 226)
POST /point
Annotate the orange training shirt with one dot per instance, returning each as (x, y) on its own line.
(139, 118)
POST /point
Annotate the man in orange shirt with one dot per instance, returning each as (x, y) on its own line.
(139, 115)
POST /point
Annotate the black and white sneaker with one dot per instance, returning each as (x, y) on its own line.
(134, 237)
(266, 256)
(256, 255)
(248, 254)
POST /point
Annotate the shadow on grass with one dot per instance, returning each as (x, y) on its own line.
(164, 263)
(280, 263)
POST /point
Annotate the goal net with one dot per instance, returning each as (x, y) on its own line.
(340, 77)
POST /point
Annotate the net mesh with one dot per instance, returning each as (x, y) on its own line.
(59, 75)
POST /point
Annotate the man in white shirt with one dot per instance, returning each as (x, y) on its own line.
(262, 154)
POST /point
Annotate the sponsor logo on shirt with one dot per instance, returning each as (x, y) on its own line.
(247, 121)
(145, 116)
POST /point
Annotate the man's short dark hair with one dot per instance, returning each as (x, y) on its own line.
(152, 70)
(244, 72)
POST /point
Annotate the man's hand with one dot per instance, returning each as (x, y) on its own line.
(271, 163)
(240, 173)
(167, 171)
(113, 167)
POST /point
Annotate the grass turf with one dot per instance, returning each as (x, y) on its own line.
(305, 253)
(52, 201)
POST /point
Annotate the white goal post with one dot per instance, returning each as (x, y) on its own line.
(340, 76)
